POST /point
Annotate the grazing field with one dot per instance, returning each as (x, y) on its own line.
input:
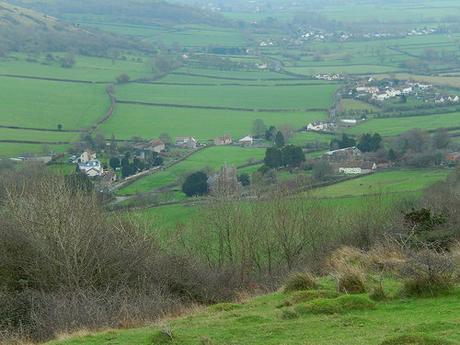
(392, 181)
(354, 104)
(249, 97)
(250, 75)
(45, 104)
(85, 69)
(213, 157)
(150, 121)
(8, 150)
(27, 135)
(398, 125)
(343, 69)
(304, 138)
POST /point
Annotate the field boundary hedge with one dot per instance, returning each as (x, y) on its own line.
(41, 129)
(19, 76)
(171, 105)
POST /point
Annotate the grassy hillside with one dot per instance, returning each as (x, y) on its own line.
(23, 29)
(343, 320)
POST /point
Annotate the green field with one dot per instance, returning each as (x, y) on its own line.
(45, 104)
(9, 150)
(354, 104)
(392, 181)
(252, 97)
(85, 68)
(149, 122)
(350, 69)
(398, 125)
(213, 157)
(28, 135)
(304, 138)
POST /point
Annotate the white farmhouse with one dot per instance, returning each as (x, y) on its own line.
(246, 141)
(92, 168)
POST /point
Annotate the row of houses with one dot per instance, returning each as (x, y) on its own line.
(388, 89)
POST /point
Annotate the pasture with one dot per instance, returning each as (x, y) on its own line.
(343, 69)
(203, 124)
(86, 68)
(354, 104)
(242, 96)
(8, 150)
(42, 136)
(212, 157)
(398, 125)
(391, 181)
(45, 104)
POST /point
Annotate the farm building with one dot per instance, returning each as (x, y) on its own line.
(224, 140)
(358, 168)
(151, 146)
(87, 156)
(346, 154)
(186, 142)
(321, 126)
(246, 141)
(92, 168)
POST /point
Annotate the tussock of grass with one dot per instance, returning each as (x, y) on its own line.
(351, 280)
(300, 281)
(415, 340)
(338, 305)
(289, 314)
(378, 293)
(224, 307)
(309, 295)
(160, 338)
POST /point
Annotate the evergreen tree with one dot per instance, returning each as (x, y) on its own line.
(279, 139)
(273, 157)
(196, 184)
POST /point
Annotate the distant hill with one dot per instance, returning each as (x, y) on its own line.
(27, 30)
(128, 11)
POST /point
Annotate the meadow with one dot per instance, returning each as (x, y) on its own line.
(212, 157)
(204, 124)
(343, 69)
(92, 69)
(354, 104)
(45, 104)
(8, 150)
(260, 97)
(384, 182)
(398, 125)
(40, 136)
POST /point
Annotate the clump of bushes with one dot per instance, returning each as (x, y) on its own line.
(300, 281)
(337, 305)
(428, 273)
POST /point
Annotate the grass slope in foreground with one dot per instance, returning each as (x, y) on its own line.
(262, 321)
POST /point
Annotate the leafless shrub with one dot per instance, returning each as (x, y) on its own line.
(66, 265)
(428, 273)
